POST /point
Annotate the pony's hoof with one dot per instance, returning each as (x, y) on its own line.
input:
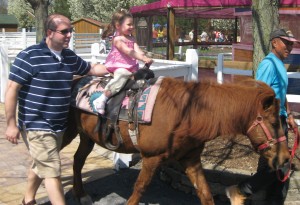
(86, 200)
(233, 193)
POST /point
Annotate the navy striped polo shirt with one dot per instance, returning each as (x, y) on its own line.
(44, 98)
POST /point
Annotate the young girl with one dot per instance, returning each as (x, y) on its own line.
(123, 58)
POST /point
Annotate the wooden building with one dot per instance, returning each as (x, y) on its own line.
(8, 22)
(88, 25)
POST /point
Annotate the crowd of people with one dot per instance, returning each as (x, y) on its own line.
(214, 36)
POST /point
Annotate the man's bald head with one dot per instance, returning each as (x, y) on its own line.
(54, 20)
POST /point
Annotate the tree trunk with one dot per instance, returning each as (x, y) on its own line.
(265, 18)
(40, 8)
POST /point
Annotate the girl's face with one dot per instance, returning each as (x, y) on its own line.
(126, 27)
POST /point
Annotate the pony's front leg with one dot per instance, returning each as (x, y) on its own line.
(196, 175)
(85, 147)
(149, 166)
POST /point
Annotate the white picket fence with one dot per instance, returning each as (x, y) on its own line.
(17, 41)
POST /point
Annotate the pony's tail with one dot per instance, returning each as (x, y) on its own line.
(108, 32)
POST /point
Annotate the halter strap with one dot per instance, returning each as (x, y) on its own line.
(271, 141)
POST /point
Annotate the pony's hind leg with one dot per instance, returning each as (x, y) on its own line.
(149, 167)
(196, 174)
(85, 147)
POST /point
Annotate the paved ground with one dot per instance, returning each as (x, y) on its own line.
(14, 161)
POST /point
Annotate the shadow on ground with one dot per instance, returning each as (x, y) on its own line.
(116, 188)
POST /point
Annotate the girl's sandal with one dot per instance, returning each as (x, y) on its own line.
(32, 202)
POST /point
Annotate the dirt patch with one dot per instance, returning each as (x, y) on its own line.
(236, 153)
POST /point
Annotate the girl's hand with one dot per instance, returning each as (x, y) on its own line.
(147, 60)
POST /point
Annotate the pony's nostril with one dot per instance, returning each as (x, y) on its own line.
(287, 161)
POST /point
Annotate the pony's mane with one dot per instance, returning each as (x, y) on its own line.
(213, 108)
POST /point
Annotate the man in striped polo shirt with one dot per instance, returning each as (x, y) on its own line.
(40, 82)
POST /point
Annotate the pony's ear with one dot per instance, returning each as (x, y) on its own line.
(268, 101)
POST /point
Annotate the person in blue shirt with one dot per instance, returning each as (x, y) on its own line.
(271, 71)
(39, 85)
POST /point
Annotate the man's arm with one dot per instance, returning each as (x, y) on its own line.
(97, 70)
(11, 97)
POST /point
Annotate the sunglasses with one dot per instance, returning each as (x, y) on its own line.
(64, 31)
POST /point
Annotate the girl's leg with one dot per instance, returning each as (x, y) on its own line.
(121, 76)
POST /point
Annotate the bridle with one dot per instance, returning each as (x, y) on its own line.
(270, 141)
(286, 175)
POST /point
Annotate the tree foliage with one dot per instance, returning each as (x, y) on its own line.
(3, 6)
(23, 11)
(223, 25)
(101, 10)
(60, 7)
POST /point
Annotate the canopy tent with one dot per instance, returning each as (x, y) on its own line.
(217, 9)
(199, 8)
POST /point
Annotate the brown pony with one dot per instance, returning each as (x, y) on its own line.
(185, 116)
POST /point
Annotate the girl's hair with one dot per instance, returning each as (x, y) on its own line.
(118, 17)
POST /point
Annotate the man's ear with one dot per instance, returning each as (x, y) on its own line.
(274, 42)
(48, 32)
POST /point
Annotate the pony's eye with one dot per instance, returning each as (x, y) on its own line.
(275, 124)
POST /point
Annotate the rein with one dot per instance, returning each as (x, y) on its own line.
(292, 151)
(271, 141)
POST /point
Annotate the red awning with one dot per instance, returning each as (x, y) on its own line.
(199, 8)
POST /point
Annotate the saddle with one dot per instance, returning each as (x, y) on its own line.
(108, 123)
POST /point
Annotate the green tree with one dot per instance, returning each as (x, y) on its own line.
(23, 12)
(60, 7)
(3, 7)
(100, 10)
(40, 8)
(265, 18)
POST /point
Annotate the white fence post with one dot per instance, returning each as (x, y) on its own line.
(71, 43)
(179, 49)
(192, 58)
(3, 35)
(24, 39)
(220, 68)
(4, 64)
(95, 50)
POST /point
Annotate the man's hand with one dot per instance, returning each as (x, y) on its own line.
(291, 121)
(12, 134)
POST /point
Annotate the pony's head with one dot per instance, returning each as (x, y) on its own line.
(265, 130)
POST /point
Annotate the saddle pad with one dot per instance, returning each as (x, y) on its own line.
(89, 88)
